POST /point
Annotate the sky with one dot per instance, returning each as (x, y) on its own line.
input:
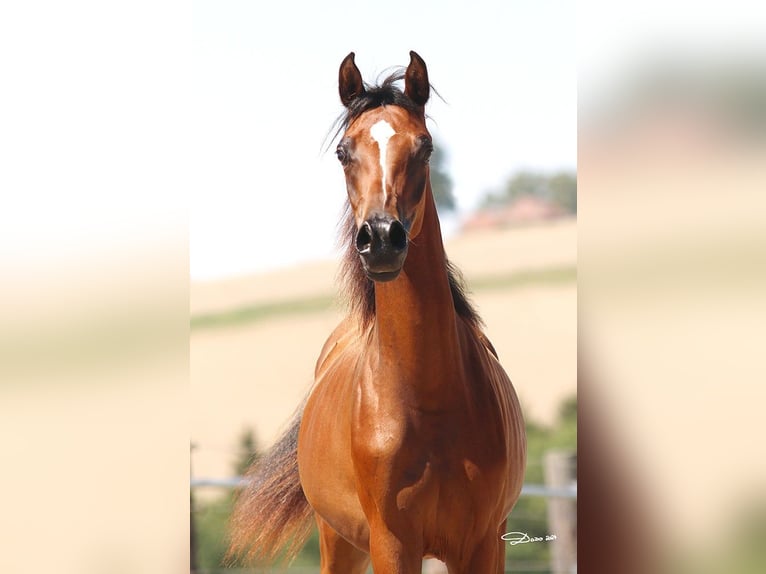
(200, 126)
(266, 194)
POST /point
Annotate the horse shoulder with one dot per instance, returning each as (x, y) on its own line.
(344, 334)
(497, 394)
(511, 420)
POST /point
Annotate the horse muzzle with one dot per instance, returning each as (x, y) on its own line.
(382, 242)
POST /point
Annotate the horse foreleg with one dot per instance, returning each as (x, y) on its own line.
(391, 554)
(488, 557)
(337, 555)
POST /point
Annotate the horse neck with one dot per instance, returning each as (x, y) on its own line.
(416, 323)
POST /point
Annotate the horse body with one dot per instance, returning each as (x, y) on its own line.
(411, 442)
(408, 433)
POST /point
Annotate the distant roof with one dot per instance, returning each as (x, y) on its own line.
(526, 209)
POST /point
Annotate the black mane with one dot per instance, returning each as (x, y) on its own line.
(359, 291)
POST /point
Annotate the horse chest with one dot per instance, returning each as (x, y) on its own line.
(422, 459)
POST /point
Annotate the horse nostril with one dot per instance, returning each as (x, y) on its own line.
(397, 235)
(364, 238)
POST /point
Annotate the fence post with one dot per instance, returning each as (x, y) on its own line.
(560, 471)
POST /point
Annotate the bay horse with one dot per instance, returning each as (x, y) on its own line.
(411, 442)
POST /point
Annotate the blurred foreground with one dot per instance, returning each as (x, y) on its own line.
(672, 276)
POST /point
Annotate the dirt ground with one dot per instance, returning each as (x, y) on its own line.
(254, 375)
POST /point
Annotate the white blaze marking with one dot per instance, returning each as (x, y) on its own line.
(381, 133)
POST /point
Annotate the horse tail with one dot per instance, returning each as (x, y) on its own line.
(271, 515)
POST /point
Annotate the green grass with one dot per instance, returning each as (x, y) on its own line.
(548, 276)
(261, 311)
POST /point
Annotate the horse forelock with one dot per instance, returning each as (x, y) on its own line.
(385, 93)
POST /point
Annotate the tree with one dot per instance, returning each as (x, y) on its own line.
(210, 519)
(247, 452)
(441, 182)
(562, 187)
(559, 188)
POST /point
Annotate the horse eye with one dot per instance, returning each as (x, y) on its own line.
(428, 149)
(342, 154)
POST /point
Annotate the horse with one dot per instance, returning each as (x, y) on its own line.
(411, 442)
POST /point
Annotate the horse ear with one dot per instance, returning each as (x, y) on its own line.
(349, 80)
(416, 85)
